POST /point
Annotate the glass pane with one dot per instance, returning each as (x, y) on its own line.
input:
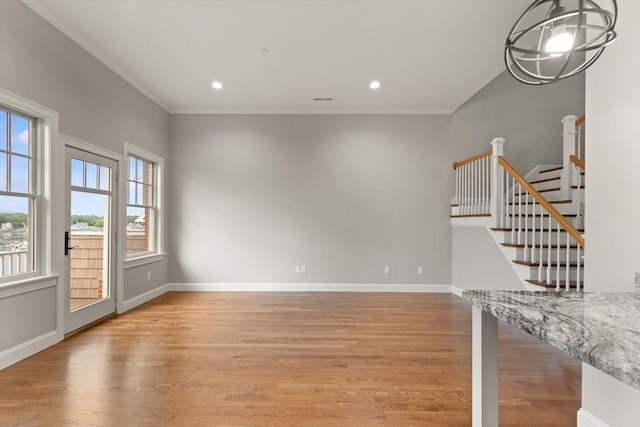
(132, 194)
(132, 168)
(15, 256)
(89, 277)
(92, 175)
(148, 195)
(77, 173)
(3, 130)
(137, 230)
(19, 174)
(3, 172)
(105, 183)
(19, 134)
(139, 194)
(140, 170)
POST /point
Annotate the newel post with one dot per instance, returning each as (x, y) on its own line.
(568, 149)
(497, 184)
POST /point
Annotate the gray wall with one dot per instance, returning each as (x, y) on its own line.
(254, 196)
(41, 64)
(528, 117)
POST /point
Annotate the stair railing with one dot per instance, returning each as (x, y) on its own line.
(550, 242)
(473, 185)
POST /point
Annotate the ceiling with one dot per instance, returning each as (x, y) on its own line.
(429, 55)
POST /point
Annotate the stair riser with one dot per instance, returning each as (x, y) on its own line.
(573, 274)
(539, 237)
(546, 185)
(538, 222)
(526, 207)
(534, 255)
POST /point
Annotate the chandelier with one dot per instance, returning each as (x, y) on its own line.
(557, 39)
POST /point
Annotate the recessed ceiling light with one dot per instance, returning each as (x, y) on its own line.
(216, 85)
(374, 84)
(265, 51)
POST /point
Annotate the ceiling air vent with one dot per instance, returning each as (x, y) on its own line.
(322, 99)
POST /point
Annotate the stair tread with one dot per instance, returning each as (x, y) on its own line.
(544, 246)
(563, 283)
(553, 202)
(548, 190)
(581, 230)
(545, 215)
(546, 263)
(539, 181)
(553, 169)
(468, 215)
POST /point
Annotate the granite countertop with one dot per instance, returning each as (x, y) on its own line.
(601, 329)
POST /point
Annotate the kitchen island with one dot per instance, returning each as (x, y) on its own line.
(601, 329)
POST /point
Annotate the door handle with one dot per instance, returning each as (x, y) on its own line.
(67, 248)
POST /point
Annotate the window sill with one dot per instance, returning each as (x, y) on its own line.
(142, 260)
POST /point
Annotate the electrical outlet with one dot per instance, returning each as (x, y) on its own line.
(419, 269)
(637, 280)
(297, 269)
(387, 269)
(148, 275)
(303, 269)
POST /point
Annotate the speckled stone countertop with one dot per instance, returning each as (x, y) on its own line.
(601, 329)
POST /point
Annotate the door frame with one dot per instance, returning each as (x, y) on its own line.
(64, 141)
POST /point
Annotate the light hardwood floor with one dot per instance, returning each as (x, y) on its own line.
(285, 359)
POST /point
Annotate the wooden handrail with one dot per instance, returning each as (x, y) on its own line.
(543, 202)
(576, 161)
(472, 159)
(580, 121)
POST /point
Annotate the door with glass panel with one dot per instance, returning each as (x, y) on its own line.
(90, 237)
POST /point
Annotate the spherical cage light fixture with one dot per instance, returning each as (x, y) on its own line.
(557, 39)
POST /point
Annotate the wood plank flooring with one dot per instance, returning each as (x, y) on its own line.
(285, 359)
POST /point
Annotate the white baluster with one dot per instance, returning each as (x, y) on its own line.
(568, 260)
(549, 251)
(557, 255)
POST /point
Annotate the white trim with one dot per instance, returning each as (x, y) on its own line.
(473, 221)
(159, 231)
(457, 291)
(309, 287)
(37, 7)
(28, 285)
(28, 348)
(141, 299)
(50, 158)
(311, 111)
(142, 260)
(90, 148)
(587, 419)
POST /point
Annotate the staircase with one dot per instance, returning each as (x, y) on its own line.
(537, 220)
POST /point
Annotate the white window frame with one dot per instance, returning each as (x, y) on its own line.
(157, 253)
(43, 241)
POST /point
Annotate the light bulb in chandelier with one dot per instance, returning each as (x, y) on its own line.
(560, 41)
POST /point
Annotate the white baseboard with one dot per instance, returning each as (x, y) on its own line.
(28, 348)
(587, 419)
(308, 287)
(141, 299)
(457, 291)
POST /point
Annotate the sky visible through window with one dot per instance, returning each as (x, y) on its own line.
(83, 203)
(19, 141)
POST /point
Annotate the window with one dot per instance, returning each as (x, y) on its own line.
(18, 193)
(143, 209)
